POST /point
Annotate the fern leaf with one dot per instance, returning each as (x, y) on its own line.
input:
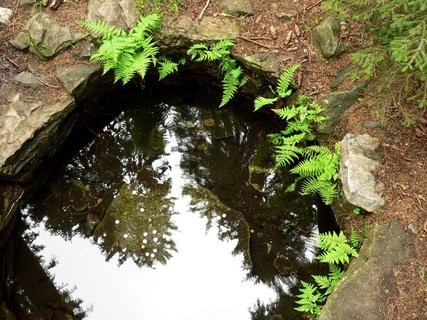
(197, 52)
(336, 248)
(355, 239)
(230, 84)
(308, 299)
(285, 80)
(141, 63)
(286, 154)
(322, 281)
(262, 102)
(124, 70)
(101, 27)
(166, 67)
(286, 113)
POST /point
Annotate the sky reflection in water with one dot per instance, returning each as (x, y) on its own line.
(156, 200)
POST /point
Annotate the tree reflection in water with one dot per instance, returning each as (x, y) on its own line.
(117, 190)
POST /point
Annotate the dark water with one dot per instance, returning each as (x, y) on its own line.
(173, 212)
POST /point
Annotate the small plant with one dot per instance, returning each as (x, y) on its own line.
(130, 53)
(233, 73)
(396, 54)
(337, 254)
(356, 211)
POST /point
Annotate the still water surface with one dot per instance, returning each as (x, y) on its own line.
(183, 205)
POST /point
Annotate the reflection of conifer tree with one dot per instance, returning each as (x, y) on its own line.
(138, 225)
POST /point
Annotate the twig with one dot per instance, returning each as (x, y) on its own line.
(203, 10)
(256, 42)
(40, 80)
(313, 5)
(13, 62)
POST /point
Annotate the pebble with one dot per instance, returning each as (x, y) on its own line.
(5, 15)
(273, 32)
(258, 19)
(412, 228)
(285, 16)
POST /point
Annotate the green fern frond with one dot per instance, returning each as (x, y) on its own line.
(197, 52)
(286, 113)
(230, 84)
(101, 27)
(261, 102)
(285, 80)
(166, 67)
(308, 299)
(286, 154)
(355, 239)
(141, 63)
(323, 282)
(124, 70)
(336, 249)
(146, 25)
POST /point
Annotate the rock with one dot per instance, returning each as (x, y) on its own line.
(412, 228)
(334, 104)
(20, 41)
(273, 32)
(5, 15)
(28, 131)
(372, 124)
(239, 7)
(80, 79)
(27, 79)
(119, 13)
(27, 3)
(325, 37)
(362, 293)
(46, 38)
(285, 16)
(341, 76)
(87, 50)
(184, 32)
(360, 156)
(268, 65)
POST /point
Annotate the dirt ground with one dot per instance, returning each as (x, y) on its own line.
(404, 171)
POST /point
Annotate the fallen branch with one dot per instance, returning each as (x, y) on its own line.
(40, 80)
(256, 42)
(313, 5)
(203, 10)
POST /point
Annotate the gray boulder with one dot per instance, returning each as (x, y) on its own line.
(266, 64)
(81, 79)
(5, 15)
(369, 281)
(325, 37)
(118, 13)
(45, 37)
(27, 79)
(184, 32)
(28, 131)
(360, 156)
(239, 7)
(334, 104)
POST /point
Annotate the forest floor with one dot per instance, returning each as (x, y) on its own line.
(404, 169)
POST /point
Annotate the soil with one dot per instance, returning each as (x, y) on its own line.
(404, 170)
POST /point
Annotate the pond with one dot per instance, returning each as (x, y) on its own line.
(170, 211)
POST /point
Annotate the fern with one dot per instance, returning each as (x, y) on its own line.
(336, 248)
(166, 67)
(126, 53)
(337, 253)
(356, 240)
(309, 298)
(261, 102)
(285, 79)
(233, 77)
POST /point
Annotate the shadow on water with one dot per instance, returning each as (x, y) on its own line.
(130, 183)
